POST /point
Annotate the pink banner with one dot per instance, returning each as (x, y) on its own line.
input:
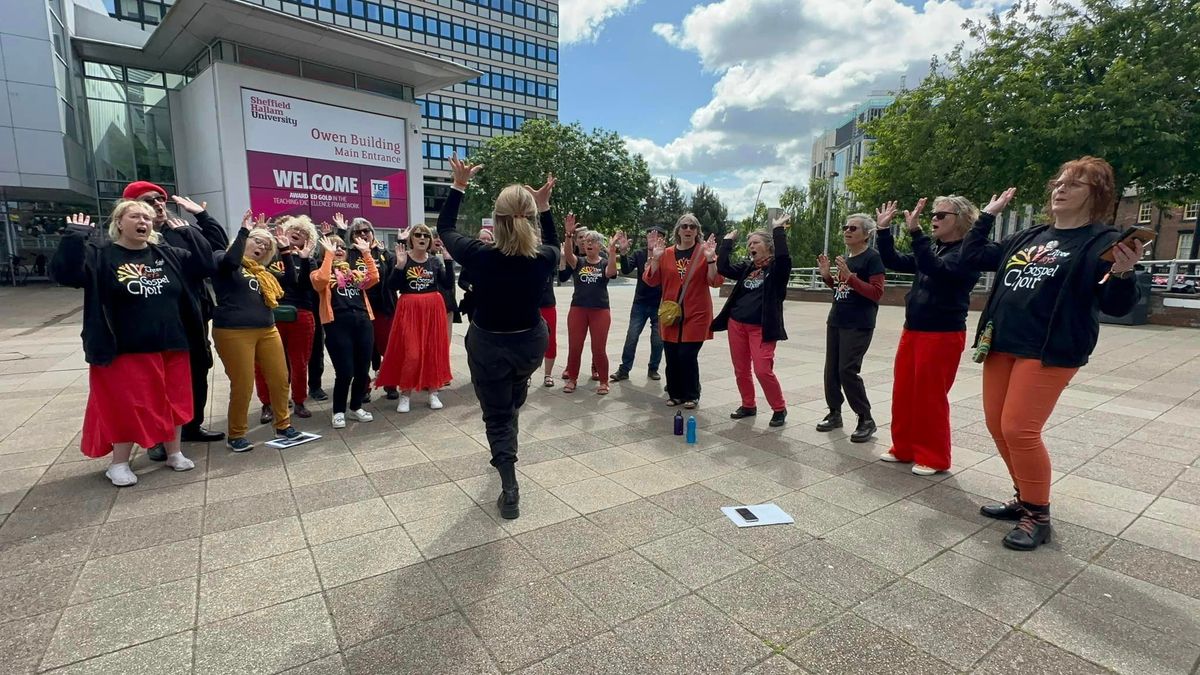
(288, 185)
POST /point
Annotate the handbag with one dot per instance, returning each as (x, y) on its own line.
(670, 312)
(284, 313)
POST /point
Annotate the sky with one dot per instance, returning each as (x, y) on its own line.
(733, 92)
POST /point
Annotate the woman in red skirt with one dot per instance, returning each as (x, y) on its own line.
(137, 300)
(418, 357)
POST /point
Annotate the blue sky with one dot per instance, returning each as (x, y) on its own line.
(727, 92)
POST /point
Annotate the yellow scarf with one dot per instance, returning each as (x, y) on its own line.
(268, 285)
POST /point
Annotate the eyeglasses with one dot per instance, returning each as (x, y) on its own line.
(339, 247)
(688, 226)
(418, 235)
(155, 199)
(849, 228)
(940, 215)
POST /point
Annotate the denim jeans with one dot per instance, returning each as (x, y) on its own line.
(639, 314)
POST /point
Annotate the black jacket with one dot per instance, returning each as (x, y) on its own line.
(941, 291)
(381, 295)
(774, 287)
(643, 293)
(82, 255)
(1075, 321)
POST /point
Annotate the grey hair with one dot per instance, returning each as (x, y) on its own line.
(359, 222)
(767, 239)
(867, 222)
(596, 237)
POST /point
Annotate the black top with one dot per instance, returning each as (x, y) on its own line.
(382, 297)
(293, 272)
(239, 302)
(346, 298)
(548, 299)
(84, 259)
(758, 293)
(644, 293)
(418, 277)
(144, 295)
(941, 291)
(446, 284)
(850, 308)
(506, 289)
(1063, 288)
(590, 284)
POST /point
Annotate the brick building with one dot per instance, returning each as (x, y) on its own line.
(1176, 226)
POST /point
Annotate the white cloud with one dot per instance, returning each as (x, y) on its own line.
(582, 20)
(787, 70)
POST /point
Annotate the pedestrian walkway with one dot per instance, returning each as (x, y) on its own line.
(378, 549)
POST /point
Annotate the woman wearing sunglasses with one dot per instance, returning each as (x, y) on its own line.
(346, 315)
(590, 314)
(685, 272)
(382, 298)
(935, 329)
(857, 288)
(419, 355)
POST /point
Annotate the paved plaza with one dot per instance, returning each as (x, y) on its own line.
(378, 549)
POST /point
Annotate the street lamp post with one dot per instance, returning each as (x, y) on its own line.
(828, 205)
(756, 198)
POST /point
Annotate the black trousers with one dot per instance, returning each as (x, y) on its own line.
(844, 352)
(316, 362)
(683, 370)
(501, 365)
(350, 340)
(200, 362)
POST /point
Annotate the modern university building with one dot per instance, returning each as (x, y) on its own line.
(282, 106)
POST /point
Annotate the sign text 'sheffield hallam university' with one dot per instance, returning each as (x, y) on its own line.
(311, 158)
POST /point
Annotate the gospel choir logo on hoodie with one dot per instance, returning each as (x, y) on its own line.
(754, 280)
(419, 277)
(682, 265)
(143, 280)
(251, 280)
(276, 267)
(1031, 265)
(590, 274)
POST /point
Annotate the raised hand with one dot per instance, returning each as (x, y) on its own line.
(463, 172)
(912, 219)
(176, 223)
(1126, 256)
(998, 204)
(281, 238)
(843, 269)
(362, 245)
(401, 254)
(307, 250)
(823, 265)
(541, 196)
(569, 224)
(80, 219)
(325, 229)
(248, 220)
(328, 244)
(782, 221)
(261, 221)
(340, 221)
(732, 234)
(883, 214)
(189, 205)
(709, 247)
(658, 250)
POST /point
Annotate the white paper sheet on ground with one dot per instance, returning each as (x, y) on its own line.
(768, 514)
(282, 443)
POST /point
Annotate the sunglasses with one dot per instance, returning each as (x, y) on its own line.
(339, 247)
(849, 228)
(942, 215)
(418, 235)
(688, 226)
(156, 199)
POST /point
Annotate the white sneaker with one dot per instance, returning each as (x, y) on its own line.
(404, 404)
(339, 420)
(361, 415)
(180, 463)
(435, 402)
(922, 470)
(888, 457)
(121, 475)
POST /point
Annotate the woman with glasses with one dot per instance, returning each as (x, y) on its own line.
(857, 288)
(685, 272)
(382, 298)
(590, 314)
(419, 357)
(935, 329)
(1041, 323)
(346, 315)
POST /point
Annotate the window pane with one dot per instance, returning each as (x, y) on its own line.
(106, 91)
(342, 6)
(111, 146)
(392, 89)
(316, 71)
(103, 71)
(418, 22)
(403, 19)
(389, 16)
(257, 58)
(508, 45)
(373, 12)
(152, 143)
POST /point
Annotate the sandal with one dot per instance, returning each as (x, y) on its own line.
(602, 389)
(569, 387)
(547, 381)
(672, 402)
(690, 405)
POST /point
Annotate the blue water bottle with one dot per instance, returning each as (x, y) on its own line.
(678, 423)
(691, 429)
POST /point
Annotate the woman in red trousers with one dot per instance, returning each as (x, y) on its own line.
(753, 315)
(418, 357)
(297, 239)
(935, 329)
(590, 314)
(685, 272)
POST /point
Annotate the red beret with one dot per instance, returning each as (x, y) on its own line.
(138, 188)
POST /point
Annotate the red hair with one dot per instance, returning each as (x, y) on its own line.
(1098, 175)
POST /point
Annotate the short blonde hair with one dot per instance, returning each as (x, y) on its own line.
(513, 215)
(864, 219)
(114, 233)
(967, 214)
(688, 218)
(303, 224)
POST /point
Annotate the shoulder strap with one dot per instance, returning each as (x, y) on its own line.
(687, 278)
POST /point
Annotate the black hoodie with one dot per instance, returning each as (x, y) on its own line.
(774, 285)
(941, 290)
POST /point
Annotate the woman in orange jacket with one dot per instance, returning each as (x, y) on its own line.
(346, 315)
(685, 272)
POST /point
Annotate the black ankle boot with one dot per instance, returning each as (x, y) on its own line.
(1010, 510)
(1033, 530)
(864, 431)
(778, 418)
(509, 500)
(832, 421)
(743, 411)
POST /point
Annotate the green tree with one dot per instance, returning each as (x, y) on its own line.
(598, 179)
(674, 203)
(709, 210)
(1110, 78)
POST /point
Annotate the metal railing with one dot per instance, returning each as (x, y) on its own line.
(810, 278)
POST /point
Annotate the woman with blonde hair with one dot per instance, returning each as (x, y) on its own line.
(935, 329)
(590, 314)
(244, 330)
(137, 300)
(296, 238)
(685, 272)
(418, 357)
(346, 316)
(507, 337)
